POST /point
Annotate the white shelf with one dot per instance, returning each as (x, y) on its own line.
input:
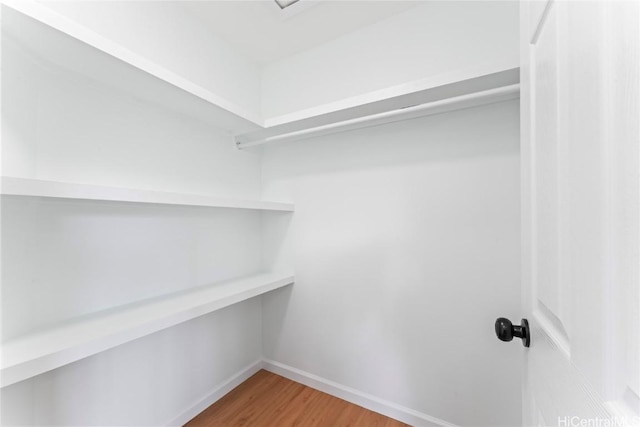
(43, 351)
(59, 42)
(466, 88)
(489, 75)
(40, 188)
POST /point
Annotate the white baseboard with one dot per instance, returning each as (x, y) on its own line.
(356, 397)
(381, 406)
(216, 394)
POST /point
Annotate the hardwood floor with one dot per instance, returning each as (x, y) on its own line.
(269, 400)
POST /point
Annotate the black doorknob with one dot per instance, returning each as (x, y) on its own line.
(505, 330)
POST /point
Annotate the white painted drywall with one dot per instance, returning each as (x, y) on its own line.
(167, 34)
(406, 242)
(435, 38)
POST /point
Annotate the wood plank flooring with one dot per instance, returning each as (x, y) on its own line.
(269, 400)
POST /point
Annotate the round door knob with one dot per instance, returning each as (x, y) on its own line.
(505, 330)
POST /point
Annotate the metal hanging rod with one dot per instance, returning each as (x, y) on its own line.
(489, 96)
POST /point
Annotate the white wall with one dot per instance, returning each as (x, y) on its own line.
(62, 258)
(406, 244)
(435, 38)
(165, 33)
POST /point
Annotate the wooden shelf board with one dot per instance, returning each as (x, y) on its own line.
(41, 188)
(36, 353)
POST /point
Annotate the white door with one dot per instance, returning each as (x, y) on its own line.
(580, 112)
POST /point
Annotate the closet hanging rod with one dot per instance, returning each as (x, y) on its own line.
(489, 96)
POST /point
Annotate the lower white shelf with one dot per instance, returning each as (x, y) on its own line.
(36, 353)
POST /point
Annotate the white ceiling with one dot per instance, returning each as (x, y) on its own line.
(264, 33)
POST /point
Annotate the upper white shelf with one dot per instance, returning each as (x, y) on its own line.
(40, 188)
(60, 42)
(36, 353)
(466, 88)
(461, 81)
